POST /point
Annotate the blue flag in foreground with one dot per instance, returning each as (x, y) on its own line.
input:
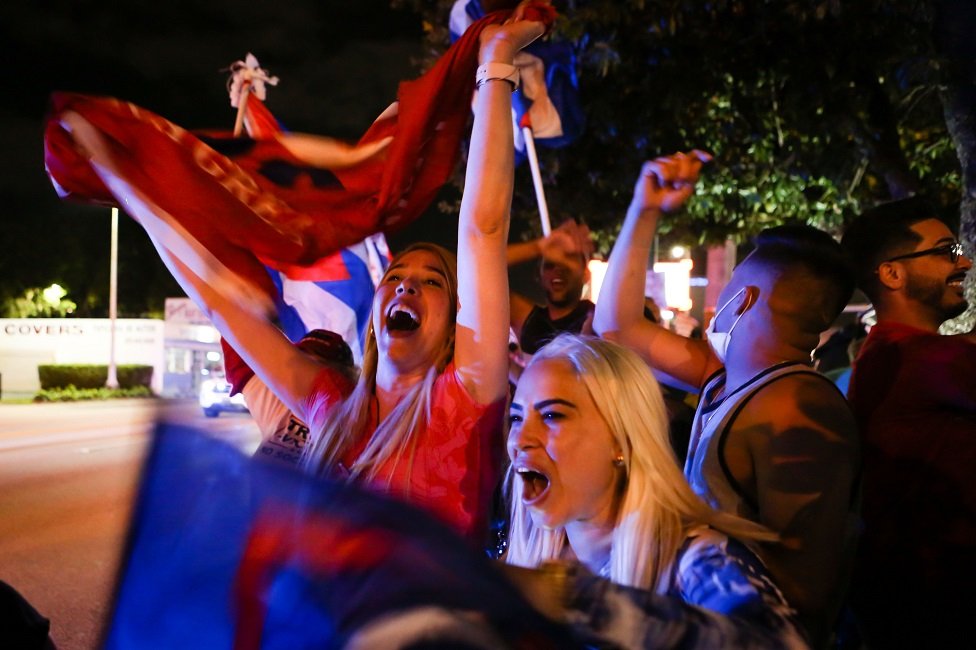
(228, 552)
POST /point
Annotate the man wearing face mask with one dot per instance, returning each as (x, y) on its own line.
(772, 441)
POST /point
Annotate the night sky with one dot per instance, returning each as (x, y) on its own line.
(339, 63)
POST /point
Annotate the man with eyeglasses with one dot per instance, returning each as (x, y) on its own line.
(914, 395)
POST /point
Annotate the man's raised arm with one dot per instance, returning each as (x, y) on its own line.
(664, 185)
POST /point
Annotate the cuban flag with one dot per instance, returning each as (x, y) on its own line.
(548, 98)
(336, 293)
(225, 551)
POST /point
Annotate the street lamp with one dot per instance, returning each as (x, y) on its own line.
(113, 381)
(53, 294)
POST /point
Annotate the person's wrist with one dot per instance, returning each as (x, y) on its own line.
(497, 50)
(540, 245)
(645, 211)
(494, 71)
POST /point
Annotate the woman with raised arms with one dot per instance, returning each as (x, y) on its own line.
(424, 420)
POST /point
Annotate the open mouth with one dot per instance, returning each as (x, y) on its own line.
(402, 319)
(534, 484)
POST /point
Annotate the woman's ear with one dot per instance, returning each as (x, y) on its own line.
(618, 455)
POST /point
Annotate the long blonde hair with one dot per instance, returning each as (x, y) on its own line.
(657, 507)
(346, 422)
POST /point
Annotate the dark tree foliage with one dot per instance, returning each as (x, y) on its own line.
(811, 109)
(814, 110)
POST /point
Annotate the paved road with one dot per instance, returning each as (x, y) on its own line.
(68, 474)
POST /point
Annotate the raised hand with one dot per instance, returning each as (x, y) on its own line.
(500, 43)
(665, 183)
(569, 238)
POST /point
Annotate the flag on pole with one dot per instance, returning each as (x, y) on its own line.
(334, 294)
(548, 97)
(259, 121)
(228, 552)
(249, 79)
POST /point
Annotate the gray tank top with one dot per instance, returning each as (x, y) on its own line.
(705, 467)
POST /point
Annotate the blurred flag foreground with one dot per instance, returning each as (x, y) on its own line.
(228, 552)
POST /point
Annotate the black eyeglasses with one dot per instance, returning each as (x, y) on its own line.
(954, 251)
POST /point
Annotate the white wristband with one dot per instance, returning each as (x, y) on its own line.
(493, 71)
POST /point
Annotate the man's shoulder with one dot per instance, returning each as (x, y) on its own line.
(795, 401)
(801, 388)
(889, 332)
(798, 431)
(579, 314)
(911, 344)
(535, 310)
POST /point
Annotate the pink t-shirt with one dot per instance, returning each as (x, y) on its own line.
(458, 454)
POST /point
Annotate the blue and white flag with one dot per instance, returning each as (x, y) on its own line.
(548, 97)
(336, 294)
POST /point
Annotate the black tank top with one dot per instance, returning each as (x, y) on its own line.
(538, 329)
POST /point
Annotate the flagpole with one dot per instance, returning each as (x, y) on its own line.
(113, 280)
(241, 106)
(540, 192)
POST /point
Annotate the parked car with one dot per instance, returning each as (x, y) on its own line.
(215, 398)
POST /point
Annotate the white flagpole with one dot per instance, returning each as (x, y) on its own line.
(113, 274)
(249, 77)
(241, 107)
(540, 192)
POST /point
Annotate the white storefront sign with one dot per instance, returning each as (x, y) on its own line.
(26, 343)
(186, 322)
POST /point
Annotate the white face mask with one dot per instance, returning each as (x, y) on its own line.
(720, 340)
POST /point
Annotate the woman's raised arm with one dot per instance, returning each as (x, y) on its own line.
(285, 369)
(481, 345)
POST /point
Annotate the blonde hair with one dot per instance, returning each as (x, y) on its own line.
(345, 424)
(657, 508)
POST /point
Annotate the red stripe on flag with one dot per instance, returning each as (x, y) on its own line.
(258, 120)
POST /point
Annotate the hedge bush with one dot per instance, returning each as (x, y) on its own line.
(88, 375)
(72, 394)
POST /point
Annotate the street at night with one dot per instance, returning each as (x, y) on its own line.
(68, 475)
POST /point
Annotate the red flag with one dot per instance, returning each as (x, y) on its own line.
(219, 203)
